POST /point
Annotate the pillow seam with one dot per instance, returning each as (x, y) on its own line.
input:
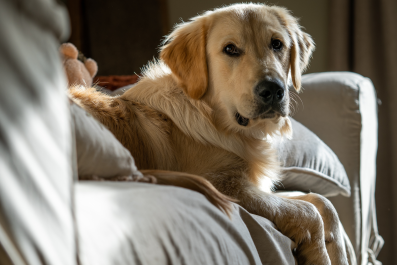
(318, 174)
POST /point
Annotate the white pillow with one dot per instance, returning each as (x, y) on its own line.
(309, 165)
(99, 153)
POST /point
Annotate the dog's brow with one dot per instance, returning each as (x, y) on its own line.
(255, 24)
(281, 19)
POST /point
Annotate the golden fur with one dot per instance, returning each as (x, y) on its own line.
(183, 116)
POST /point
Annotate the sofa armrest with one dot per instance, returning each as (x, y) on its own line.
(36, 200)
(341, 108)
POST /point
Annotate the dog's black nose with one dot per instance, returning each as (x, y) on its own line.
(270, 91)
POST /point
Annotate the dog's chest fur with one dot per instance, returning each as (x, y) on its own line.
(164, 146)
(180, 137)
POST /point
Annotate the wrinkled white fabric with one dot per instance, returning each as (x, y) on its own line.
(36, 224)
(135, 223)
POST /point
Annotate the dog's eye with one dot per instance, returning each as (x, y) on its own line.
(277, 44)
(231, 50)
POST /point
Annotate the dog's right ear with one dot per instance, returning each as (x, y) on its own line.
(185, 54)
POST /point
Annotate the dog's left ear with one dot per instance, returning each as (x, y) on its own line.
(301, 52)
(185, 54)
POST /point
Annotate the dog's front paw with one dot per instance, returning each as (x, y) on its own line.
(303, 224)
(312, 253)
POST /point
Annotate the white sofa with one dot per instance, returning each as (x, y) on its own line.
(47, 217)
(341, 108)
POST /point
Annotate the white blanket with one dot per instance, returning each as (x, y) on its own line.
(135, 223)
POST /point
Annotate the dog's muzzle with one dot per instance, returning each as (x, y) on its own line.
(272, 101)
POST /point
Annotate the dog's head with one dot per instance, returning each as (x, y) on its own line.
(239, 59)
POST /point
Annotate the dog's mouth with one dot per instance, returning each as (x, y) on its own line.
(241, 120)
(268, 115)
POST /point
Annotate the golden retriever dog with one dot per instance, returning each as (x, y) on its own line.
(210, 104)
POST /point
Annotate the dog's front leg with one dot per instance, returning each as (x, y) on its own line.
(297, 219)
(334, 234)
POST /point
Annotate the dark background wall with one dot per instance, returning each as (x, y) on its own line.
(120, 35)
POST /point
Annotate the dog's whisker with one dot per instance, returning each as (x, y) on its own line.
(293, 105)
(292, 108)
(295, 96)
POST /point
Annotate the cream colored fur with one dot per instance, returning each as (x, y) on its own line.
(181, 117)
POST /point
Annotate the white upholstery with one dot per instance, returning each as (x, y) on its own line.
(99, 153)
(341, 108)
(309, 165)
(134, 223)
(36, 221)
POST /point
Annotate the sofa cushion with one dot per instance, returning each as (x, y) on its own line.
(309, 165)
(99, 153)
(136, 223)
